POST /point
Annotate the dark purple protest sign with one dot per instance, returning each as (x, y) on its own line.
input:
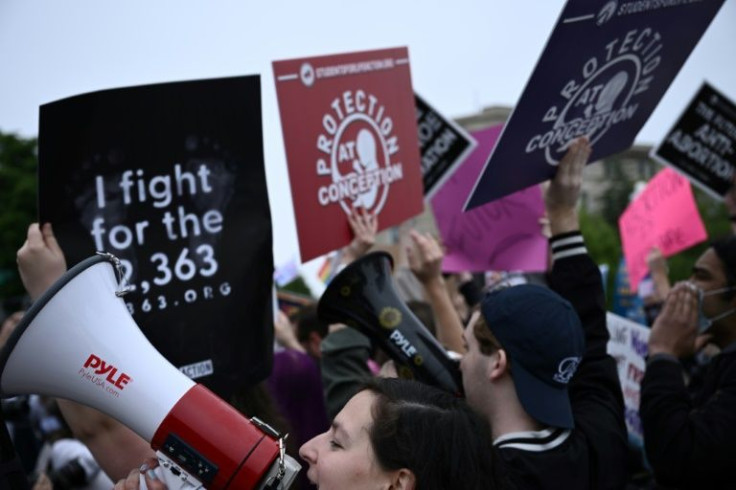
(170, 179)
(604, 69)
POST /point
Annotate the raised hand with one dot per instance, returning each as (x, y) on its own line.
(425, 257)
(563, 192)
(40, 260)
(675, 330)
(365, 227)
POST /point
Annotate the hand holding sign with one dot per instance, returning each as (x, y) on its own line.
(425, 257)
(562, 195)
(40, 260)
(349, 126)
(364, 226)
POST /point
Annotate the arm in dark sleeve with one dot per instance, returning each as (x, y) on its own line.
(577, 278)
(344, 367)
(595, 390)
(688, 445)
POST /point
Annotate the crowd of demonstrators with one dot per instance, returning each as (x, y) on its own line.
(41, 262)
(543, 406)
(383, 435)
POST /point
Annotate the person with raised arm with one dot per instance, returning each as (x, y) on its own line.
(536, 364)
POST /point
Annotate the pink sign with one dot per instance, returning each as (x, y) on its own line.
(502, 235)
(350, 131)
(664, 216)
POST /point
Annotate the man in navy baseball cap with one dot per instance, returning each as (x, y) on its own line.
(536, 363)
(543, 339)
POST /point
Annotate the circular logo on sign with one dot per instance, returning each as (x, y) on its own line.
(306, 73)
(615, 84)
(389, 317)
(358, 144)
(360, 169)
(606, 94)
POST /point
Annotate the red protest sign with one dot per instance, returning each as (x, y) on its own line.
(349, 127)
(664, 215)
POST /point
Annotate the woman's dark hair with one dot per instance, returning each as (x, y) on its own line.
(432, 433)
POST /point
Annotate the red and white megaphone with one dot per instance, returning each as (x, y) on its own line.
(79, 342)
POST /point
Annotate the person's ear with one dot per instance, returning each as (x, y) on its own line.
(404, 479)
(499, 365)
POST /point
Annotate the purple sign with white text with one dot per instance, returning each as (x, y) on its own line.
(605, 68)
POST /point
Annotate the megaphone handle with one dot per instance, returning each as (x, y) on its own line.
(172, 475)
(281, 476)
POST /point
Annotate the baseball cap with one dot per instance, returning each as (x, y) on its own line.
(542, 335)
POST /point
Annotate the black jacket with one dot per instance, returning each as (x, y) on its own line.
(691, 442)
(594, 454)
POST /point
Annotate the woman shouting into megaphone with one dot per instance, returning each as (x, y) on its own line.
(394, 434)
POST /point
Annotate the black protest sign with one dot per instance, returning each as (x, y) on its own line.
(443, 145)
(170, 179)
(702, 143)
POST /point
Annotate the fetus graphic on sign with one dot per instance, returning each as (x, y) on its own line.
(365, 148)
(360, 158)
(609, 94)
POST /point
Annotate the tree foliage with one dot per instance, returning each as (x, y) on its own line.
(618, 193)
(603, 244)
(18, 164)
